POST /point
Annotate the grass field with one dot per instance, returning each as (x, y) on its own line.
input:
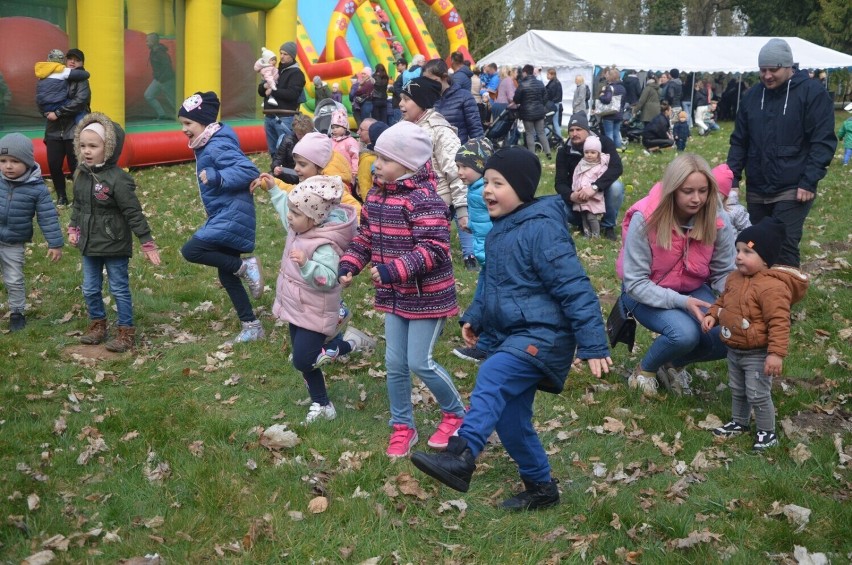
(160, 452)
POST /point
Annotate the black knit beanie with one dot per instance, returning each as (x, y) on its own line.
(201, 107)
(521, 169)
(424, 91)
(765, 238)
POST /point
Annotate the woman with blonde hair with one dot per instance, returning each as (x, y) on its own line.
(678, 248)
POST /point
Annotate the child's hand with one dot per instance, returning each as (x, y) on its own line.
(345, 280)
(707, 323)
(375, 275)
(772, 365)
(468, 336)
(73, 236)
(151, 253)
(277, 170)
(600, 366)
(202, 176)
(264, 181)
(54, 254)
(463, 223)
(298, 257)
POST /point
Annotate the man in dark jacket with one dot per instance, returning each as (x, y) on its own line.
(531, 97)
(553, 88)
(569, 156)
(461, 71)
(289, 95)
(674, 91)
(784, 140)
(632, 88)
(164, 78)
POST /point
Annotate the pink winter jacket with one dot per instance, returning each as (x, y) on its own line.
(585, 175)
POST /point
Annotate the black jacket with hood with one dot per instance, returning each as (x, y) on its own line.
(105, 208)
(784, 137)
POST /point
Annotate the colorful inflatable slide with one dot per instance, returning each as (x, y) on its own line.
(213, 45)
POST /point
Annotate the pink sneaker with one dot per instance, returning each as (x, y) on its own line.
(401, 441)
(449, 426)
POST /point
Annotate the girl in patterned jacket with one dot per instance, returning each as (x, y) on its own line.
(405, 234)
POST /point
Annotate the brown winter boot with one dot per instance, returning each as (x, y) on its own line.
(124, 341)
(96, 332)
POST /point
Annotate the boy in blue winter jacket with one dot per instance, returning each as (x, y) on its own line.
(23, 195)
(470, 160)
(534, 310)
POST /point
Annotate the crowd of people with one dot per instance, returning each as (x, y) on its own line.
(694, 269)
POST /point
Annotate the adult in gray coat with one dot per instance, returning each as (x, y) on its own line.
(648, 105)
(582, 95)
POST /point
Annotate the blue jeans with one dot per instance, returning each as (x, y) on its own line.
(119, 287)
(465, 237)
(394, 116)
(167, 89)
(847, 155)
(502, 400)
(681, 340)
(687, 107)
(275, 126)
(408, 349)
(612, 129)
(557, 127)
(613, 199)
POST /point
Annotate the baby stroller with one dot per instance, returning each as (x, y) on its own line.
(322, 114)
(631, 130)
(501, 127)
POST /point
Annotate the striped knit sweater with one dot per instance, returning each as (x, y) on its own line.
(405, 227)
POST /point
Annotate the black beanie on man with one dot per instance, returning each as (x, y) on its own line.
(765, 238)
(521, 169)
(579, 120)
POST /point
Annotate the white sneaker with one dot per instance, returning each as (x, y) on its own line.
(359, 340)
(316, 411)
(648, 385)
(252, 331)
(253, 275)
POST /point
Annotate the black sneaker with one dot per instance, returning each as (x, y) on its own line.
(17, 322)
(62, 201)
(453, 467)
(469, 354)
(536, 495)
(764, 440)
(470, 263)
(730, 429)
(609, 233)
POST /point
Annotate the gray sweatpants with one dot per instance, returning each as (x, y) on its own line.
(750, 389)
(12, 267)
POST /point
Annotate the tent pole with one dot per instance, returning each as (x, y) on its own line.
(739, 91)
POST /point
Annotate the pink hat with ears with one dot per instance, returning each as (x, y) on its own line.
(724, 178)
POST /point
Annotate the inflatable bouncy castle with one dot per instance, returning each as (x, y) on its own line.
(211, 45)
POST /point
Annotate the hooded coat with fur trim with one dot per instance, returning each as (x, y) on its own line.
(105, 207)
(754, 312)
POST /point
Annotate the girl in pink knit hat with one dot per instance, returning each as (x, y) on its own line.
(342, 140)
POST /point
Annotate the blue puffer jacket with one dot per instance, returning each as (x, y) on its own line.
(536, 301)
(22, 198)
(478, 220)
(459, 108)
(462, 77)
(226, 197)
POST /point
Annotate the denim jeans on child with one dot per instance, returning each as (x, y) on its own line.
(502, 400)
(409, 345)
(12, 267)
(751, 389)
(681, 340)
(275, 127)
(118, 277)
(228, 262)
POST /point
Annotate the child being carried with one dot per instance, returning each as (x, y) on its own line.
(587, 199)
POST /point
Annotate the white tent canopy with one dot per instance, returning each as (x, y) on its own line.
(574, 53)
(655, 52)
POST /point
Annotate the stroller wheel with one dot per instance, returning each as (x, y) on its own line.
(538, 147)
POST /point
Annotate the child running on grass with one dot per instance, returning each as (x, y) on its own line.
(224, 175)
(754, 314)
(536, 308)
(405, 234)
(307, 294)
(104, 215)
(23, 195)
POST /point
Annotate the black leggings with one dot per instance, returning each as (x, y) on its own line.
(228, 262)
(652, 143)
(306, 346)
(57, 151)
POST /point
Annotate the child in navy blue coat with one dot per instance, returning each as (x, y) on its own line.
(536, 308)
(681, 132)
